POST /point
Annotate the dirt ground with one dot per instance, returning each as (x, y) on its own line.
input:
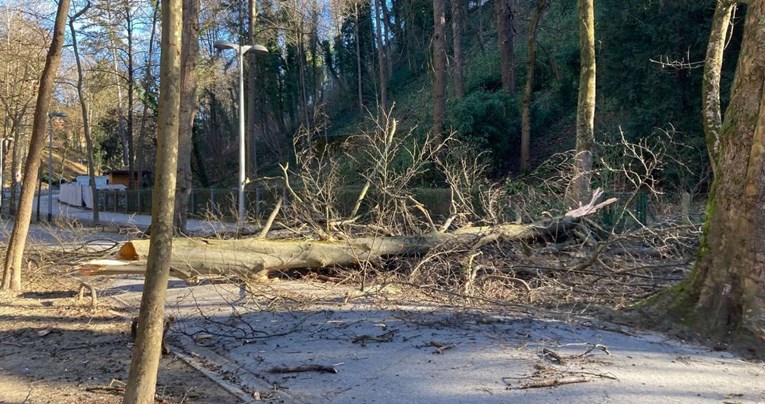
(56, 349)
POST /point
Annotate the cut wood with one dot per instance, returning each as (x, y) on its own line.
(254, 257)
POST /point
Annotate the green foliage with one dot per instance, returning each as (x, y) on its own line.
(490, 122)
(651, 62)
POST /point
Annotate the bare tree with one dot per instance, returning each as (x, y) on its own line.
(712, 68)
(189, 56)
(85, 112)
(17, 242)
(529, 88)
(579, 190)
(143, 369)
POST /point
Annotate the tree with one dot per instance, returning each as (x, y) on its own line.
(579, 190)
(146, 353)
(17, 242)
(381, 57)
(85, 111)
(188, 111)
(439, 64)
(504, 15)
(724, 296)
(458, 13)
(712, 115)
(529, 88)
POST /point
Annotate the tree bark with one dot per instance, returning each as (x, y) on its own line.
(724, 296)
(256, 257)
(458, 13)
(579, 190)
(146, 353)
(712, 68)
(130, 96)
(505, 39)
(359, 86)
(85, 113)
(17, 242)
(439, 64)
(188, 110)
(529, 88)
(381, 59)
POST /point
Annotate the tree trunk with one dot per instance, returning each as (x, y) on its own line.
(147, 81)
(505, 39)
(255, 258)
(724, 296)
(17, 242)
(85, 113)
(439, 64)
(712, 67)
(381, 58)
(189, 57)
(579, 190)
(146, 353)
(358, 57)
(529, 88)
(458, 13)
(130, 96)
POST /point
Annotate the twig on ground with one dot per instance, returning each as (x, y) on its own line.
(551, 382)
(304, 368)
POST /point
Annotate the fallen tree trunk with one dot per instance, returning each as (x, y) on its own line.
(252, 258)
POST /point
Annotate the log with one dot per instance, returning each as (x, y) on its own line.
(255, 257)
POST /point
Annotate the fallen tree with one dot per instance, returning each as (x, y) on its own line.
(256, 257)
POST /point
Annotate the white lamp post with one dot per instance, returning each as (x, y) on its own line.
(240, 51)
(51, 115)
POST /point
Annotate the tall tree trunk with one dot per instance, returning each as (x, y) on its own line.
(188, 110)
(85, 113)
(712, 68)
(439, 64)
(505, 39)
(579, 189)
(724, 296)
(529, 88)
(358, 56)
(17, 242)
(458, 13)
(252, 91)
(381, 57)
(147, 81)
(130, 96)
(146, 353)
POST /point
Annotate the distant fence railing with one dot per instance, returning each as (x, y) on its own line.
(631, 208)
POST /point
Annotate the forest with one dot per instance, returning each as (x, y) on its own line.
(535, 152)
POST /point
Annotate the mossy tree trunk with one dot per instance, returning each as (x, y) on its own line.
(529, 88)
(585, 112)
(712, 118)
(724, 297)
(145, 363)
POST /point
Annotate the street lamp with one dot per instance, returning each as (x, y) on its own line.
(3, 141)
(51, 115)
(240, 51)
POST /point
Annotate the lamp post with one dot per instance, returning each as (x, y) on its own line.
(51, 115)
(240, 51)
(3, 141)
